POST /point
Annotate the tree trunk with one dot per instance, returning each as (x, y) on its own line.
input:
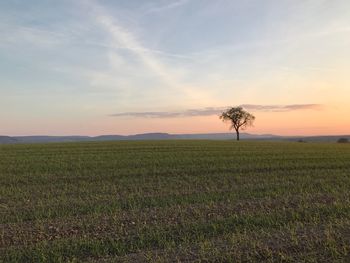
(237, 132)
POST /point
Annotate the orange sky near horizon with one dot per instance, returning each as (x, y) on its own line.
(71, 69)
(303, 122)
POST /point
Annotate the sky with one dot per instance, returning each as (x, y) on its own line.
(93, 67)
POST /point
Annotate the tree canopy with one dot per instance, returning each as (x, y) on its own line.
(238, 118)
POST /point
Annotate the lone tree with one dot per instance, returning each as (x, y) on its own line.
(239, 119)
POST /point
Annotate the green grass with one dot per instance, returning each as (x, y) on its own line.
(162, 201)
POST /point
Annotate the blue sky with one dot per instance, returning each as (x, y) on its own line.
(69, 67)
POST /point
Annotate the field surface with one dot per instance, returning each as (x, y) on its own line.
(175, 201)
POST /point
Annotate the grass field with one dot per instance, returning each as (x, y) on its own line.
(185, 201)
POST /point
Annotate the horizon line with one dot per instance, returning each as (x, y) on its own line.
(169, 133)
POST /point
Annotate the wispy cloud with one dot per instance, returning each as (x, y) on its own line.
(171, 5)
(13, 34)
(144, 50)
(172, 114)
(282, 108)
(125, 39)
(208, 111)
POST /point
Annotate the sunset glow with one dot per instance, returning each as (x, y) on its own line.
(126, 67)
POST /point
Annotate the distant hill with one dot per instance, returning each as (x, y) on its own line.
(7, 139)
(166, 136)
(43, 139)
